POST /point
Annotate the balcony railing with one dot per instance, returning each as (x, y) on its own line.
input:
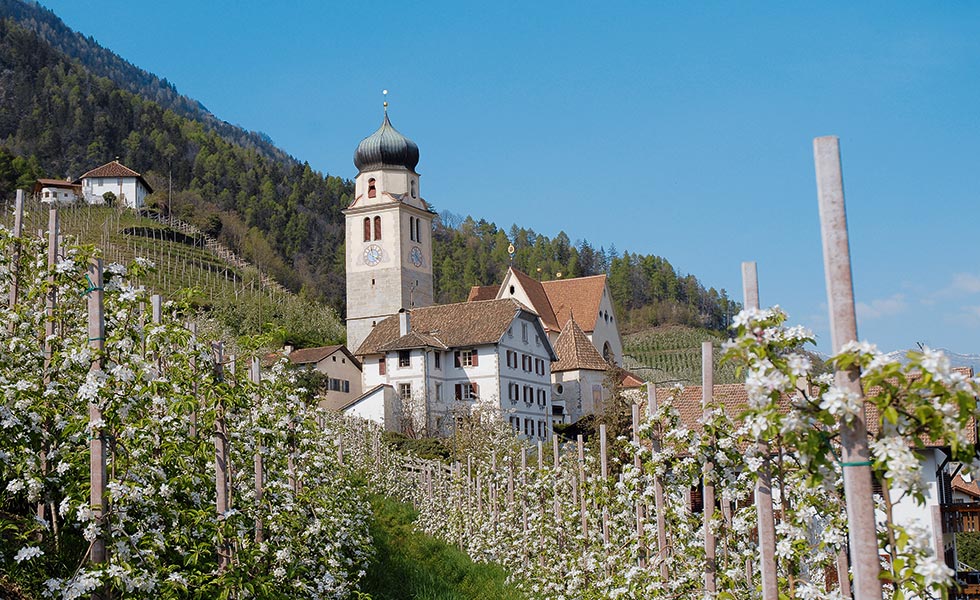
(961, 517)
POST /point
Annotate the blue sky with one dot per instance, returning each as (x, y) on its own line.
(678, 129)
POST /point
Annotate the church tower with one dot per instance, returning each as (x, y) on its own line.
(389, 234)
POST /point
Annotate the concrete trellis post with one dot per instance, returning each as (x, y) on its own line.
(220, 456)
(50, 300)
(763, 484)
(658, 486)
(855, 456)
(604, 462)
(637, 463)
(192, 429)
(255, 376)
(708, 496)
(581, 484)
(17, 232)
(97, 448)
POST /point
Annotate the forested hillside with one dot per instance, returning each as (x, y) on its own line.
(68, 105)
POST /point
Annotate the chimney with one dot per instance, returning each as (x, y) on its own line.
(404, 324)
(288, 349)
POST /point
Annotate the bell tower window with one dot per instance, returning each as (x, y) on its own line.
(377, 228)
(413, 188)
(418, 230)
(372, 189)
(367, 229)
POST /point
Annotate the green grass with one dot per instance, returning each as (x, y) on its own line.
(413, 566)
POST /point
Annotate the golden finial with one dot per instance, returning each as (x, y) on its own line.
(385, 94)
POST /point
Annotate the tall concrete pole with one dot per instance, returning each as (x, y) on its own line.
(97, 446)
(763, 484)
(708, 496)
(855, 457)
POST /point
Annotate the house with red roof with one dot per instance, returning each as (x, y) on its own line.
(128, 186)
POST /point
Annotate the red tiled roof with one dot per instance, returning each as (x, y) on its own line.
(539, 299)
(58, 183)
(114, 169)
(452, 325)
(629, 380)
(579, 297)
(576, 352)
(483, 292)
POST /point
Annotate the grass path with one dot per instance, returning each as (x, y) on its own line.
(413, 566)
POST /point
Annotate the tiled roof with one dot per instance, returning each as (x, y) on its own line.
(354, 401)
(579, 297)
(452, 325)
(734, 399)
(483, 292)
(303, 356)
(575, 351)
(58, 183)
(114, 169)
(557, 300)
(629, 380)
(539, 299)
(414, 339)
(967, 487)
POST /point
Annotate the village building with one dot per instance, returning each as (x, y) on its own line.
(341, 368)
(425, 367)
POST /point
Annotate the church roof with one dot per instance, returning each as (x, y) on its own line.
(579, 297)
(557, 300)
(445, 326)
(576, 352)
(114, 169)
(386, 147)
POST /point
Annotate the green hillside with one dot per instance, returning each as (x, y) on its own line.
(239, 297)
(672, 354)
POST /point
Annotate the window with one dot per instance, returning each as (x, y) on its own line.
(537, 340)
(377, 228)
(413, 188)
(541, 398)
(528, 394)
(405, 391)
(466, 358)
(513, 392)
(367, 229)
(559, 389)
(438, 396)
(526, 363)
(542, 429)
(418, 230)
(515, 422)
(512, 359)
(467, 391)
(411, 228)
(524, 332)
(528, 427)
(438, 360)
(511, 290)
(381, 366)
(404, 358)
(338, 385)
(510, 332)
(372, 190)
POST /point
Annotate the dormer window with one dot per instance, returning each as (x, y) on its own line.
(372, 189)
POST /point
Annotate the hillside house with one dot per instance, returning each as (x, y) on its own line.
(57, 191)
(426, 366)
(127, 185)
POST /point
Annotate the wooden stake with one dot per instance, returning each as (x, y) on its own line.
(658, 487)
(763, 483)
(97, 450)
(855, 457)
(708, 496)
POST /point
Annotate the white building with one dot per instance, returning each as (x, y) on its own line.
(57, 191)
(128, 186)
(427, 366)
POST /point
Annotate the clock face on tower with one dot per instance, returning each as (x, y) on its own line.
(372, 255)
(416, 256)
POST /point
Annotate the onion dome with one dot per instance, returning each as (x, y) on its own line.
(386, 148)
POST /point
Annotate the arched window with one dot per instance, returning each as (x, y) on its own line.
(413, 188)
(607, 352)
(411, 228)
(367, 229)
(377, 228)
(372, 190)
(418, 230)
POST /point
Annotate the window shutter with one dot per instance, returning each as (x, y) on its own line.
(459, 391)
(474, 355)
(476, 389)
(456, 358)
(381, 366)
